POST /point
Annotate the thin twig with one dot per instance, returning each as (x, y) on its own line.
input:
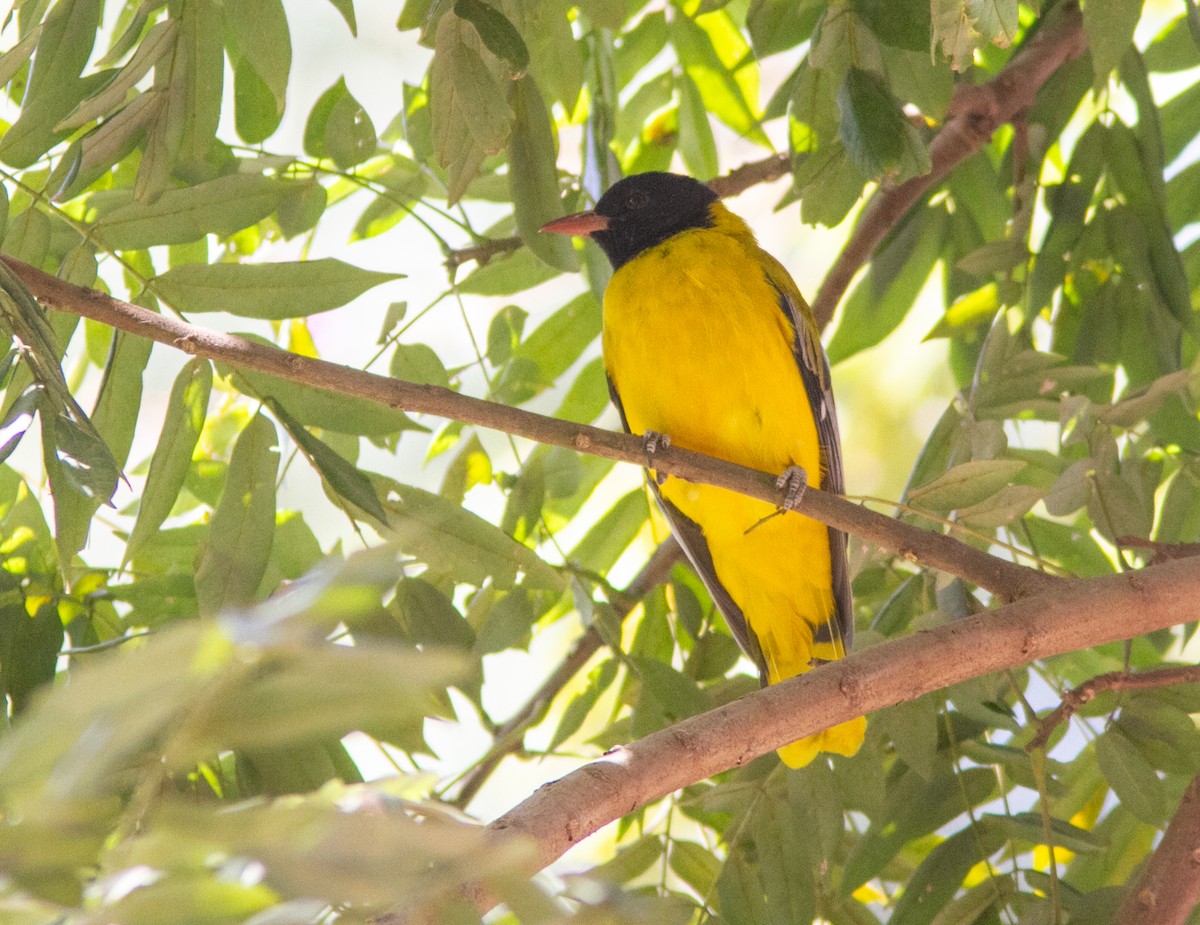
(483, 252)
(1162, 552)
(736, 181)
(1005, 579)
(1073, 700)
(742, 178)
(509, 736)
(975, 114)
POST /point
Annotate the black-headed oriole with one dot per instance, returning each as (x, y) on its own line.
(708, 341)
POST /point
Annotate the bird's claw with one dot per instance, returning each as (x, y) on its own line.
(652, 442)
(794, 483)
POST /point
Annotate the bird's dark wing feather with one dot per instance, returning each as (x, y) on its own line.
(690, 537)
(814, 370)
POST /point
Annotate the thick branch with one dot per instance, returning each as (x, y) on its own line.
(1084, 613)
(1007, 580)
(1168, 891)
(1113, 681)
(509, 736)
(975, 114)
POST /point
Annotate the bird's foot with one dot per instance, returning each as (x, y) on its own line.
(794, 483)
(652, 442)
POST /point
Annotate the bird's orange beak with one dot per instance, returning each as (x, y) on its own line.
(581, 224)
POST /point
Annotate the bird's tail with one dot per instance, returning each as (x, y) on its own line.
(843, 739)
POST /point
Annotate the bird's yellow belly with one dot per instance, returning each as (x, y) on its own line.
(715, 371)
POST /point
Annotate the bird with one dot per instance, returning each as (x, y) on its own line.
(708, 344)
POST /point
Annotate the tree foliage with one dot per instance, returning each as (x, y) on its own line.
(198, 670)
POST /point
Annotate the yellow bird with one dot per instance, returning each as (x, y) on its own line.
(708, 341)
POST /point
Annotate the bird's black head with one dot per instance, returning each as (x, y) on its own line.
(644, 210)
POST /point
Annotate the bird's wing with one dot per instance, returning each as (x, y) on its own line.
(691, 539)
(814, 370)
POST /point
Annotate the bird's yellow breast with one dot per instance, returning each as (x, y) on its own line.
(698, 348)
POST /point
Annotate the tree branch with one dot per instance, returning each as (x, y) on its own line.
(1113, 681)
(736, 181)
(1168, 891)
(1085, 613)
(483, 252)
(742, 178)
(975, 114)
(1007, 580)
(509, 736)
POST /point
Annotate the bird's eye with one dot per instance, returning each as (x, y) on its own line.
(637, 200)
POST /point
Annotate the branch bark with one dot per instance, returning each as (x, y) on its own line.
(975, 114)
(1007, 580)
(1168, 891)
(1083, 613)
(1113, 681)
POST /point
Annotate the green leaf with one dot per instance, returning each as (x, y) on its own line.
(196, 86)
(430, 618)
(952, 29)
(1128, 166)
(451, 540)
(942, 872)
(676, 693)
(267, 290)
(235, 557)
(1109, 25)
(966, 484)
(158, 41)
(120, 391)
(259, 33)
(508, 275)
(346, 8)
(187, 408)
(696, 142)
(995, 20)
(587, 398)
(913, 729)
(54, 88)
(256, 109)
(695, 866)
(914, 807)
(504, 333)
(600, 679)
(894, 277)
(339, 128)
(533, 176)
(339, 474)
(508, 625)
(557, 57)
(558, 341)
(222, 206)
(1131, 777)
(90, 157)
(604, 543)
(471, 115)
(630, 861)
(29, 647)
(418, 363)
(1008, 504)
(316, 407)
(876, 133)
(709, 52)
(499, 35)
